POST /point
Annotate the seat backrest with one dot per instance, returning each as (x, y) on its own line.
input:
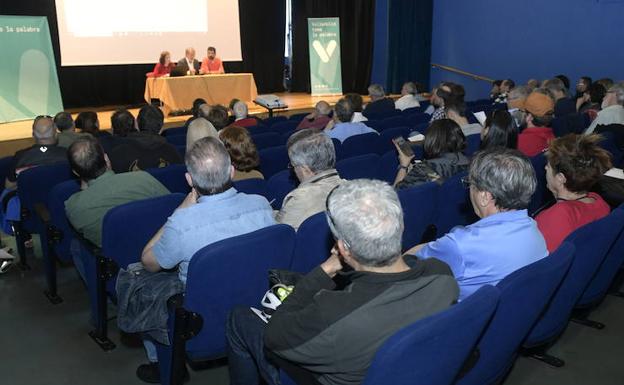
(177, 139)
(388, 167)
(272, 120)
(381, 115)
(181, 149)
(417, 119)
(267, 139)
(5, 166)
(56, 206)
(608, 143)
(358, 167)
(592, 243)
(314, 243)
(252, 186)
(33, 187)
(541, 194)
(284, 126)
(127, 228)
(419, 207)
(172, 177)
(374, 124)
(175, 131)
(601, 282)
(395, 121)
(229, 273)
(431, 351)
(472, 144)
(258, 129)
(454, 206)
(279, 185)
(360, 144)
(386, 136)
(273, 160)
(524, 295)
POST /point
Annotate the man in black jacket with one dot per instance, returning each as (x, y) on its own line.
(330, 334)
(379, 102)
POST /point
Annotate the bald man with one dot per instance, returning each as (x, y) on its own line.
(318, 118)
(44, 151)
(188, 64)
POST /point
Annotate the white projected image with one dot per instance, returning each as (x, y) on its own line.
(136, 31)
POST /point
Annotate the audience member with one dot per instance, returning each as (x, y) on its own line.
(197, 103)
(443, 148)
(533, 84)
(591, 100)
(439, 97)
(343, 127)
(408, 97)
(575, 165)
(391, 290)
(566, 82)
(313, 160)
(358, 104)
(101, 190)
(87, 122)
(211, 64)
(612, 108)
(164, 65)
(379, 103)
(218, 116)
(122, 124)
(241, 115)
(505, 238)
(242, 151)
(318, 118)
(564, 105)
(67, 129)
(582, 86)
(457, 113)
(500, 130)
(145, 149)
(606, 82)
(515, 103)
(188, 64)
(199, 128)
(495, 91)
(212, 211)
(539, 108)
(505, 87)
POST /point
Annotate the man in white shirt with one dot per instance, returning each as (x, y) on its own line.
(612, 108)
(408, 97)
(189, 64)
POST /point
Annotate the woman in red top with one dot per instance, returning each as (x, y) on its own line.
(164, 65)
(575, 164)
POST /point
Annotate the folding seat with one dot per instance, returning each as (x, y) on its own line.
(252, 186)
(221, 276)
(176, 140)
(412, 110)
(592, 243)
(374, 124)
(58, 234)
(422, 128)
(126, 229)
(337, 148)
(358, 167)
(381, 115)
(386, 136)
(419, 208)
(298, 117)
(272, 120)
(175, 131)
(258, 129)
(273, 160)
(472, 144)
(172, 177)
(283, 127)
(431, 351)
(279, 185)
(360, 144)
(266, 140)
(454, 207)
(542, 195)
(181, 149)
(529, 289)
(416, 119)
(286, 135)
(33, 186)
(395, 121)
(313, 245)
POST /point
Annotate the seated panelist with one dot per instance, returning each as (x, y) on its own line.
(188, 64)
(164, 65)
(211, 64)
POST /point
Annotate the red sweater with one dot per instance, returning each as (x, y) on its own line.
(162, 70)
(558, 221)
(534, 140)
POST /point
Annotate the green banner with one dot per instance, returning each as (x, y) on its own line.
(28, 79)
(324, 42)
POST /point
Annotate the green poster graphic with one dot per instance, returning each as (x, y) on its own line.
(28, 82)
(324, 45)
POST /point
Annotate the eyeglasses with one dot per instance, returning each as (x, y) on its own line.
(465, 181)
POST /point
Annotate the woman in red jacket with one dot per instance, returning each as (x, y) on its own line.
(164, 65)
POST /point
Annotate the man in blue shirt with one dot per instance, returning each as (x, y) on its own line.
(343, 128)
(211, 212)
(506, 238)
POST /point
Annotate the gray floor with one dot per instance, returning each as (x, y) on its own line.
(48, 344)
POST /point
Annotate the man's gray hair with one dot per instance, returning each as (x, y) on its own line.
(240, 110)
(311, 148)
(506, 174)
(376, 90)
(410, 88)
(209, 165)
(367, 216)
(554, 85)
(618, 88)
(197, 129)
(44, 130)
(520, 92)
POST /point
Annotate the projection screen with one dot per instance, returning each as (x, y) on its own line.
(96, 32)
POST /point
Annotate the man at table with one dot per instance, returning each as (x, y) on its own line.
(188, 64)
(211, 64)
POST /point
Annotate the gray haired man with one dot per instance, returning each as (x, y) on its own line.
(612, 108)
(379, 103)
(313, 160)
(393, 291)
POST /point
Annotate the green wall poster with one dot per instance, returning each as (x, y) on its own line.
(324, 45)
(28, 81)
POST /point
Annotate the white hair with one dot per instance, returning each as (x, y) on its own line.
(240, 110)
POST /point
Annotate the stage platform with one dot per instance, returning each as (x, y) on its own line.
(17, 135)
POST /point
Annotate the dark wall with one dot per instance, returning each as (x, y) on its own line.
(527, 39)
(93, 86)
